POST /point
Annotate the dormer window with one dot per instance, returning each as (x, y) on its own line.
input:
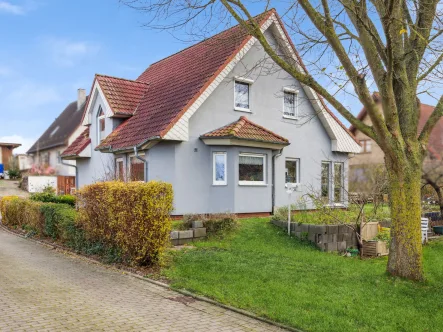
(54, 131)
(290, 103)
(101, 125)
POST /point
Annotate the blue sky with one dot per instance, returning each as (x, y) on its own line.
(50, 48)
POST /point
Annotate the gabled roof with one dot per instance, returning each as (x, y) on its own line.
(61, 129)
(123, 95)
(174, 83)
(245, 129)
(435, 144)
(79, 144)
(179, 84)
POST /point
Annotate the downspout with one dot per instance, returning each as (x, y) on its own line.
(143, 160)
(274, 156)
(76, 173)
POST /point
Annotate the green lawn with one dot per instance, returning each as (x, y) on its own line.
(260, 269)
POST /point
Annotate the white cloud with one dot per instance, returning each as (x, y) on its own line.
(29, 95)
(26, 142)
(7, 7)
(67, 53)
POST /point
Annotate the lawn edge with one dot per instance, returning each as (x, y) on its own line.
(152, 281)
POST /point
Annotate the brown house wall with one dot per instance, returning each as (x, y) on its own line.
(6, 155)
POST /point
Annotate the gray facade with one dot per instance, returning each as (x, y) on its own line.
(188, 165)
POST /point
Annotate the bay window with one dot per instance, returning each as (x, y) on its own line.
(252, 168)
(219, 174)
(137, 169)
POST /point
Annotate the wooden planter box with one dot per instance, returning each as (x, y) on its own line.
(375, 248)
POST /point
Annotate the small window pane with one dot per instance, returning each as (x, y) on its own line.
(242, 95)
(119, 170)
(290, 104)
(137, 169)
(219, 173)
(251, 168)
(325, 179)
(291, 171)
(338, 182)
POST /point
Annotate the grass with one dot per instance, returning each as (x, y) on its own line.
(260, 269)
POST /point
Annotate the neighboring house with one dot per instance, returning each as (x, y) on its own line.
(225, 133)
(24, 162)
(47, 150)
(5, 155)
(371, 154)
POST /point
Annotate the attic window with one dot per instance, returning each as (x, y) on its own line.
(55, 130)
(101, 125)
(290, 103)
(241, 95)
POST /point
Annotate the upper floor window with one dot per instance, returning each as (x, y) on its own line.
(219, 169)
(292, 170)
(290, 103)
(241, 96)
(366, 145)
(101, 125)
(252, 169)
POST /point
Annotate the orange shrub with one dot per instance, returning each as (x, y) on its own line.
(134, 217)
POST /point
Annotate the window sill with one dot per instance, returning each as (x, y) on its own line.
(241, 109)
(335, 205)
(219, 184)
(252, 184)
(290, 117)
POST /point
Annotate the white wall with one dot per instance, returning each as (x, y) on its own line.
(36, 184)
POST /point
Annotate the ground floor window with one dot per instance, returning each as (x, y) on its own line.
(292, 170)
(136, 169)
(119, 169)
(325, 179)
(219, 176)
(338, 182)
(252, 169)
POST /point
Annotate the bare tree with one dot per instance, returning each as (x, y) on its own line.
(395, 45)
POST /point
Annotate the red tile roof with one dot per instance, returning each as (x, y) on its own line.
(246, 130)
(435, 144)
(79, 144)
(175, 83)
(122, 95)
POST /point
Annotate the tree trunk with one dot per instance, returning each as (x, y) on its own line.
(405, 255)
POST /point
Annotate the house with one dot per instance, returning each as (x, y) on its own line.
(371, 155)
(6, 155)
(46, 151)
(225, 133)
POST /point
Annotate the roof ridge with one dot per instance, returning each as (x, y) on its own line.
(123, 79)
(206, 39)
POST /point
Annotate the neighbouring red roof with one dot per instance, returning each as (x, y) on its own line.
(435, 144)
(246, 130)
(175, 83)
(79, 144)
(122, 95)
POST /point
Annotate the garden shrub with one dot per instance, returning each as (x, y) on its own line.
(3, 201)
(133, 217)
(20, 212)
(216, 223)
(48, 197)
(57, 218)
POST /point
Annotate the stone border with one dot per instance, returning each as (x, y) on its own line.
(152, 281)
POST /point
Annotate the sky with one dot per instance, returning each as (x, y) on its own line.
(50, 48)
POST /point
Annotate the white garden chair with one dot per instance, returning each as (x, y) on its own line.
(424, 229)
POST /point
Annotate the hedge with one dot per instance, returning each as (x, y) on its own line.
(134, 217)
(52, 198)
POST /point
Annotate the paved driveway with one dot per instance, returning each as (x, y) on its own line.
(44, 290)
(10, 188)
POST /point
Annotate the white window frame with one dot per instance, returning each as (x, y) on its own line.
(117, 169)
(297, 162)
(225, 157)
(100, 109)
(249, 83)
(253, 183)
(296, 93)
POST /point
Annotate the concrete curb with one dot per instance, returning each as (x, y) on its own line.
(152, 281)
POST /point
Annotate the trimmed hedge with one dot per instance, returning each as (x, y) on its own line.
(52, 198)
(134, 217)
(119, 221)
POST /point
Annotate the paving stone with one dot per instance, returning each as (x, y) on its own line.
(43, 290)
